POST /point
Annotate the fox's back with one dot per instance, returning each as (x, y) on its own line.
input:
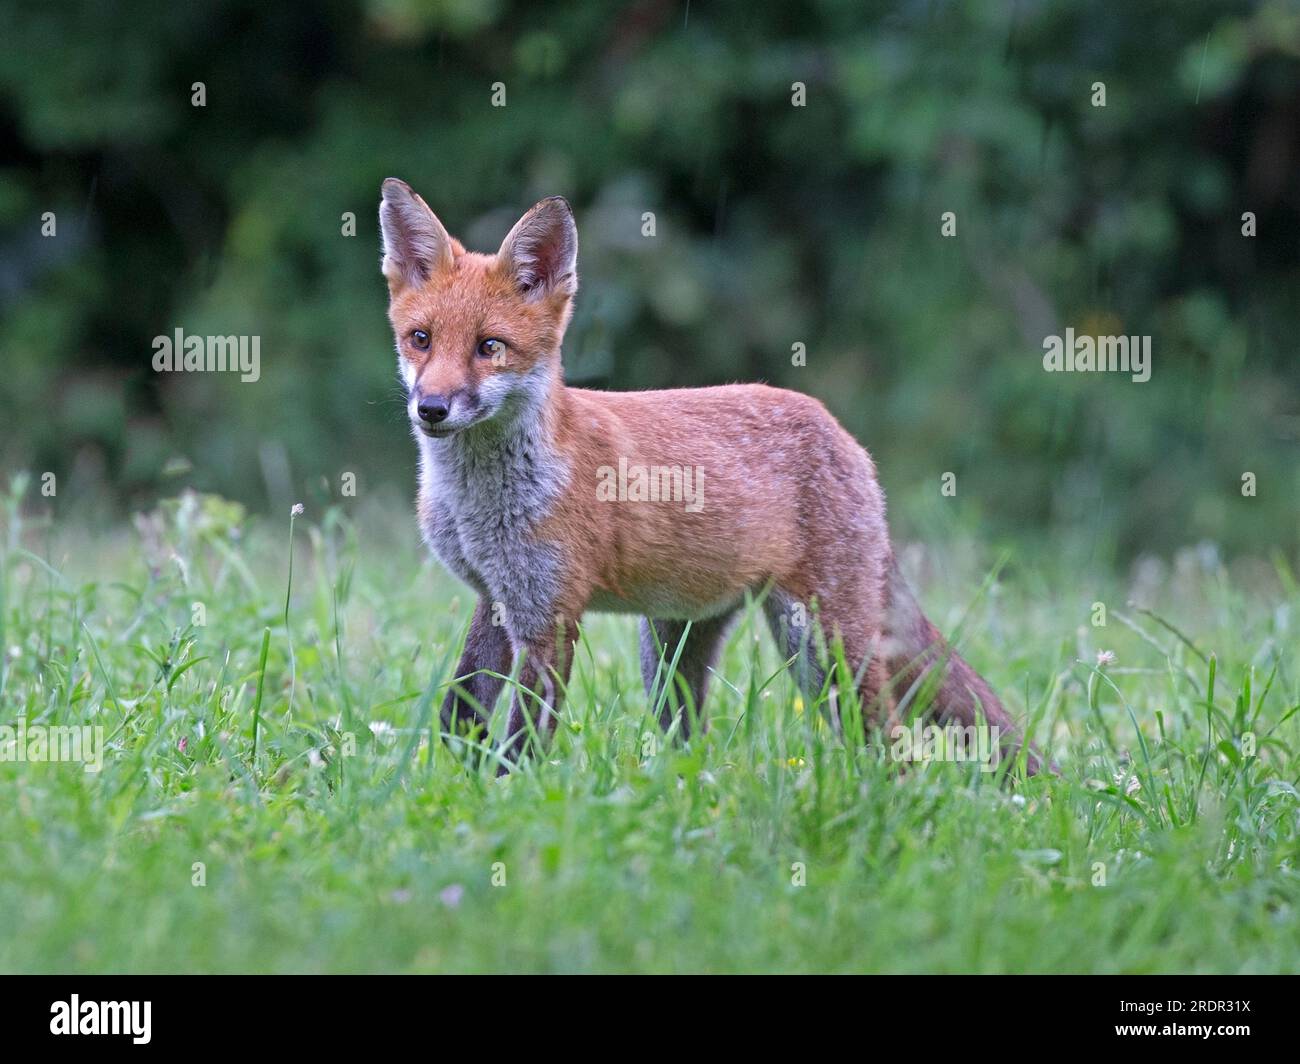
(740, 429)
(774, 481)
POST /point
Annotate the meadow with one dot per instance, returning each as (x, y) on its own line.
(271, 800)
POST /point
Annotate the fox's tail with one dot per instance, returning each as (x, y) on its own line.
(921, 663)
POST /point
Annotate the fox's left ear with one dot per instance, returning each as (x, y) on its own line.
(541, 251)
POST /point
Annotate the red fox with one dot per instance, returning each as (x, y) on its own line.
(550, 501)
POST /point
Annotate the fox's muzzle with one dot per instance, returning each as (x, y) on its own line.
(441, 414)
(432, 409)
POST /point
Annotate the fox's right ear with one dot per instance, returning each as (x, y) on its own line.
(415, 243)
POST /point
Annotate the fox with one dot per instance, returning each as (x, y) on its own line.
(518, 499)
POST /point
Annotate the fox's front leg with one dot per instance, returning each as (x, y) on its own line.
(468, 705)
(543, 676)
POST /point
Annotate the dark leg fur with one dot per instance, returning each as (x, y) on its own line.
(691, 681)
(468, 705)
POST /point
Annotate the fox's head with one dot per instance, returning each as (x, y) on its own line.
(478, 336)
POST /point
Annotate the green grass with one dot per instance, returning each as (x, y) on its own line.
(228, 746)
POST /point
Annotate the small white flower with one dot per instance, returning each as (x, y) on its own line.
(297, 510)
(1104, 658)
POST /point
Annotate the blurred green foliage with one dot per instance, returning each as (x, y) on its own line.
(775, 225)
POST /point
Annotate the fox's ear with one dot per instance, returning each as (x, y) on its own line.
(541, 252)
(415, 243)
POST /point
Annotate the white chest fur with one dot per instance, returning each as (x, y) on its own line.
(484, 493)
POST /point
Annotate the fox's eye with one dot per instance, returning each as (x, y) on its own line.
(491, 348)
(421, 339)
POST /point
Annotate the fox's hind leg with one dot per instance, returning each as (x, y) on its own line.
(685, 696)
(807, 628)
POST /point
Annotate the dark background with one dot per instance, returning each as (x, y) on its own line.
(775, 224)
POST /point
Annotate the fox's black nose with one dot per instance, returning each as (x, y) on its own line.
(432, 409)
